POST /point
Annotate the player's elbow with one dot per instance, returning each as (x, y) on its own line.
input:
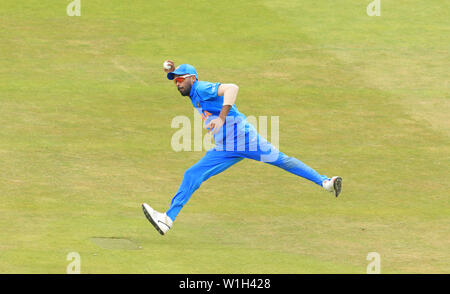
(234, 89)
(227, 89)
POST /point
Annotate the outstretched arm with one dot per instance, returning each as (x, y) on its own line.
(229, 93)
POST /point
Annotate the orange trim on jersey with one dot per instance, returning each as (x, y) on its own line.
(205, 115)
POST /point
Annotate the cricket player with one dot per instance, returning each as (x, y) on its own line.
(235, 139)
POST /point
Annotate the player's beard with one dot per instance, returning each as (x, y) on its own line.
(185, 91)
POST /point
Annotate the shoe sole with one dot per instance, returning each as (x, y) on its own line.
(337, 186)
(150, 219)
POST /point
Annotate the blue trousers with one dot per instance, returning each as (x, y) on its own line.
(216, 161)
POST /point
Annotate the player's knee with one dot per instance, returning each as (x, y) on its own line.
(192, 175)
(188, 174)
(287, 162)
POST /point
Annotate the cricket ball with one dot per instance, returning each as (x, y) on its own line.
(167, 65)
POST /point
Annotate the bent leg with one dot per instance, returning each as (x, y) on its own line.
(213, 163)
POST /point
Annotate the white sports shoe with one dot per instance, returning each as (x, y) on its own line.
(333, 185)
(160, 221)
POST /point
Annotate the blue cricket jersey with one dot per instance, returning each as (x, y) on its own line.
(205, 99)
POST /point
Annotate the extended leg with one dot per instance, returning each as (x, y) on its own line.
(266, 152)
(213, 163)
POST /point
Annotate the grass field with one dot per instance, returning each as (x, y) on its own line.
(86, 111)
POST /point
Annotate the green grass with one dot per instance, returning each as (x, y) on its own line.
(85, 113)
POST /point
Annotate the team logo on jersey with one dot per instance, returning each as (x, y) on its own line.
(198, 105)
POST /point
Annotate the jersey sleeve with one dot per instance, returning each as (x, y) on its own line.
(208, 91)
